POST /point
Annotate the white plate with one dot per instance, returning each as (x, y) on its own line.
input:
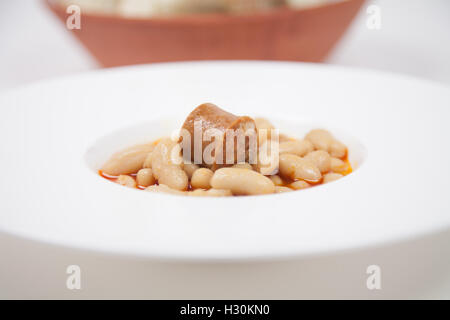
(54, 135)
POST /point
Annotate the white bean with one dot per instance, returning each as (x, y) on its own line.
(331, 177)
(148, 161)
(127, 161)
(242, 181)
(145, 177)
(324, 140)
(321, 159)
(210, 193)
(164, 154)
(201, 178)
(321, 139)
(338, 149)
(263, 124)
(338, 166)
(126, 181)
(162, 188)
(174, 177)
(243, 165)
(296, 168)
(300, 184)
(297, 147)
(189, 168)
(264, 129)
(165, 168)
(277, 181)
(280, 189)
(268, 158)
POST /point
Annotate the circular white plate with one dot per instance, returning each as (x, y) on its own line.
(55, 134)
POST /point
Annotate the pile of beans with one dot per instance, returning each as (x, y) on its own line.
(316, 159)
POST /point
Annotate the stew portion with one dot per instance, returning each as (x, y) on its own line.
(217, 153)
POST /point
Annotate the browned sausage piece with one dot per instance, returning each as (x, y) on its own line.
(206, 123)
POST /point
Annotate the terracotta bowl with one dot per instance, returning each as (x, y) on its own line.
(280, 34)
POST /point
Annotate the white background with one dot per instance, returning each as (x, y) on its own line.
(414, 39)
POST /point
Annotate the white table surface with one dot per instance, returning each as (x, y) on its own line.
(414, 39)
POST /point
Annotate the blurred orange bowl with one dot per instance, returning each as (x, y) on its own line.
(280, 34)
